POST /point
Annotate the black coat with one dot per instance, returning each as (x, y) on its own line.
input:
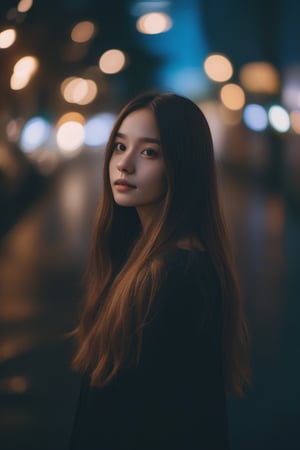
(174, 399)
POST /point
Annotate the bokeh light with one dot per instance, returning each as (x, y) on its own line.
(83, 31)
(70, 133)
(218, 68)
(7, 37)
(232, 96)
(23, 70)
(154, 23)
(18, 82)
(34, 134)
(72, 116)
(98, 128)
(112, 61)
(279, 118)
(260, 78)
(255, 117)
(24, 5)
(66, 88)
(90, 95)
(79, 90)
(27, 64)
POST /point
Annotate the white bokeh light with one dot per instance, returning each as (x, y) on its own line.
(70, 137)
(98, 128)
(279, 118)
(23, 71)
(34, 134)
(7, 37)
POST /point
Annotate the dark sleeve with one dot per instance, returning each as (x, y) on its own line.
(177, 390)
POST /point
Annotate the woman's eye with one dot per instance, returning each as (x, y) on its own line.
(119, 146)
(149, 152)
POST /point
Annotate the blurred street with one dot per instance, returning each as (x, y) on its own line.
(42, 262)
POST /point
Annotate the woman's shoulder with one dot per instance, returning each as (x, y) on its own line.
(190, 283)
(182, 253)
(182, 263)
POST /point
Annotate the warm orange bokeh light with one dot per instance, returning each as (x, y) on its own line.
(112, 61)
(71, 117)
(232, 96)
(24, 5)
(218, 68)
(260, 78)
(83, 31)
(154, 23)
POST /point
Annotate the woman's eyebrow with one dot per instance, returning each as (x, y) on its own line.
(142, 139)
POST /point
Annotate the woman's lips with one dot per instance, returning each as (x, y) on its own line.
(123, 186)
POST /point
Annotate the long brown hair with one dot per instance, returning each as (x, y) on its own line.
(126, 263)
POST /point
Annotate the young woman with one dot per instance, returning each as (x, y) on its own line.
(162, 336)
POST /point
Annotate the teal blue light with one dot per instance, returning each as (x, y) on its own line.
(182, 50)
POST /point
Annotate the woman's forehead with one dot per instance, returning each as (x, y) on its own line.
(139, 124)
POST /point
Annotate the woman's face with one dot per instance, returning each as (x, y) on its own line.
(136, 168)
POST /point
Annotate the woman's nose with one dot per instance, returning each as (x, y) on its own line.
(126, 163)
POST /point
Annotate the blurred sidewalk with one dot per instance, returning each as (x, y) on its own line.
(42, 260)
